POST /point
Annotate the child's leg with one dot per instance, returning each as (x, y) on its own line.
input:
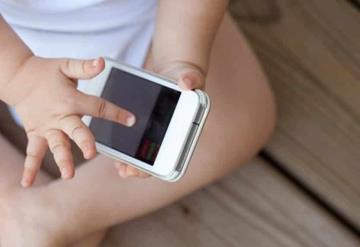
(11, 166)
(240, 122)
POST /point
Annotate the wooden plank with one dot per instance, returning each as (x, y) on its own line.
(311, 52)
(253, 207)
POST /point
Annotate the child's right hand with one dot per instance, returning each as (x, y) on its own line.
(44, 94)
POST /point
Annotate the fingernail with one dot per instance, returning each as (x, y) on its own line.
(121, 169)
(95, 62)
(65, 173)
(88, 153)
(25, 182)
(188, 82)
(130, 121)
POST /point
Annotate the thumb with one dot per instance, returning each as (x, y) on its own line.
(192, 79)
(81, 69)
(187, 75)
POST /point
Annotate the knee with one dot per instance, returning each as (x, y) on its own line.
(258, 125)
(246, 132)
(237, 128)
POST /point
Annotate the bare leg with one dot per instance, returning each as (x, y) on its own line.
(10, 170)
(11, 166)
(93, 240)
(240, 122)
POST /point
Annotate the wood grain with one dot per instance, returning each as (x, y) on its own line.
(254, 207)
(311, 53)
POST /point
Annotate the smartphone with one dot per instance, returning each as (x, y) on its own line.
(168, 124)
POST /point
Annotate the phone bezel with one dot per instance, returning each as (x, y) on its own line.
(178, 130)
(193, 139)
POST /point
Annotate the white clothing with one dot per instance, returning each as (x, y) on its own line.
(119, 29)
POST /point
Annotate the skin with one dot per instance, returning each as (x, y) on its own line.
(56, 213)
(51, 112)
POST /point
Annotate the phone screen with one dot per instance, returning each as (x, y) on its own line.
(153, 106)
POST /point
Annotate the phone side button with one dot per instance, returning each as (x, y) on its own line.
(198, 116)
(188, 146)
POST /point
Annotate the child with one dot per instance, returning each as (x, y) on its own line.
(46, 49)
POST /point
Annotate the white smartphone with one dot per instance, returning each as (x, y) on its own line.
(168, 120)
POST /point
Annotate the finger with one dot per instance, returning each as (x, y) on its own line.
(134, 172)
(81, 69)
(143, 174)
(187, 75)
(77, 131)
(125, 171)
(121, 168)
(35, 152)
(100, 108)
(192, 80)
(60, 147)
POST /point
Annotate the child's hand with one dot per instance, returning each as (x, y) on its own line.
(188, 76)
(44, 94)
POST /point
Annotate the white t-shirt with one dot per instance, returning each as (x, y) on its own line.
(119, 29)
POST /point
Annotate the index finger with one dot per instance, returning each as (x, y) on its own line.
(100, 108)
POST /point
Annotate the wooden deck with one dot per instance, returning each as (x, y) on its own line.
(304, 190)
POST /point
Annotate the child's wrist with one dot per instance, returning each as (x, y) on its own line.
(159, 62)
(160, 66)
(8, 84)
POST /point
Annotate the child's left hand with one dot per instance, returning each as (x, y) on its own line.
(188, 76)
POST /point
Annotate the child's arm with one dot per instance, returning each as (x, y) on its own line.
(43, 92)
(184, 34)
(13, 53)
(185, 31)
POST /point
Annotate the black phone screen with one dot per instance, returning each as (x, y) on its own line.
(153, 106)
